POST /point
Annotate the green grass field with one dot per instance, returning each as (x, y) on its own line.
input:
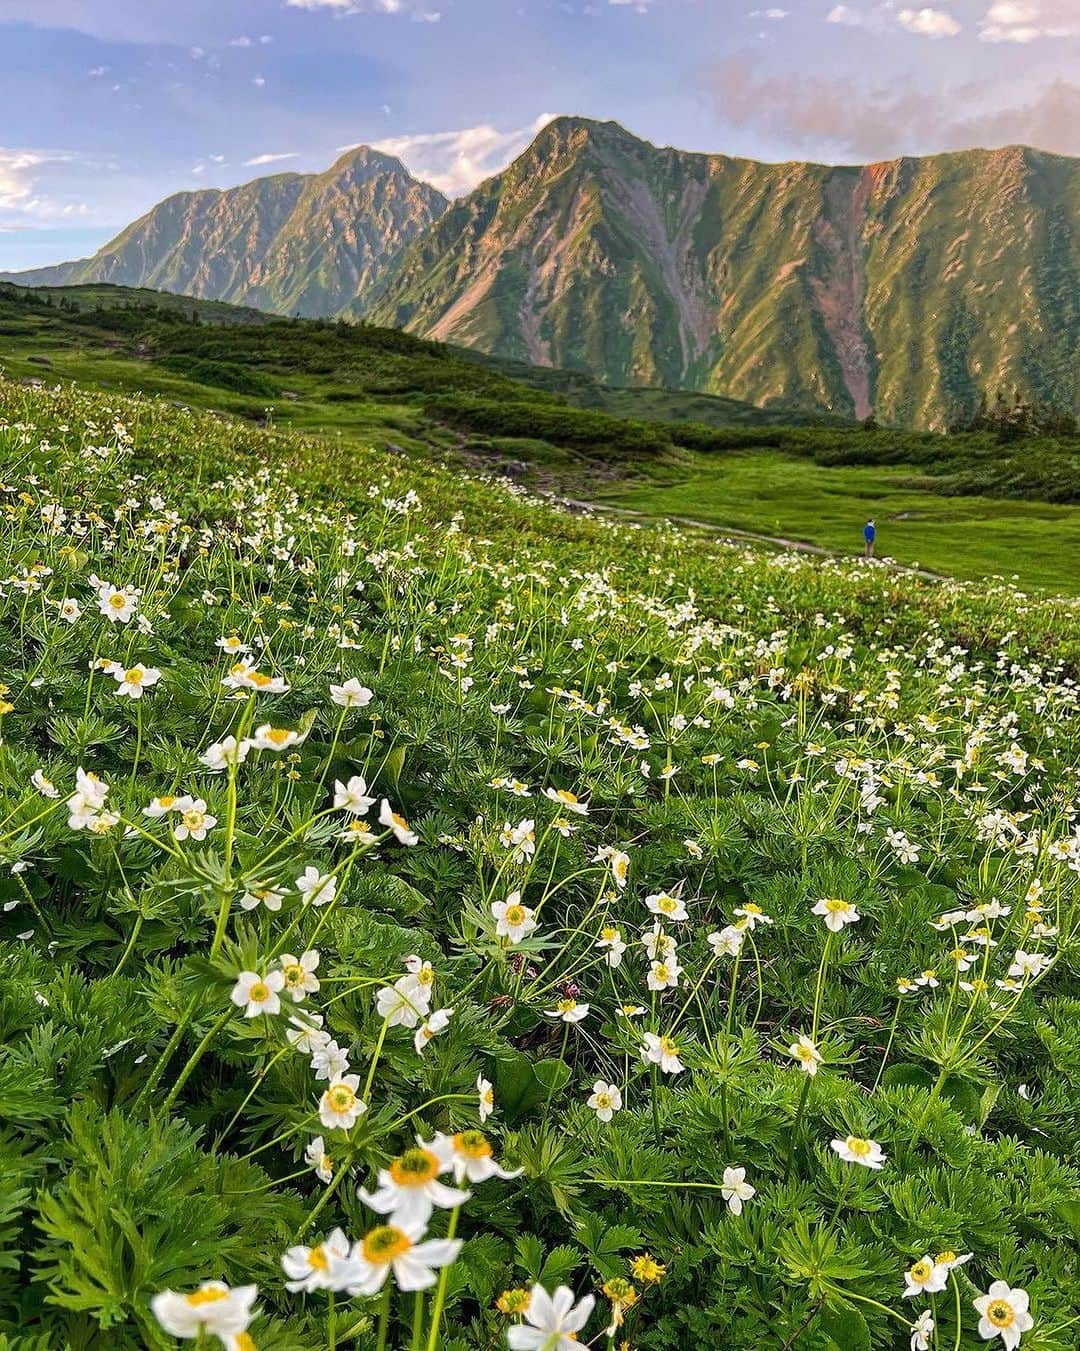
(781, 495)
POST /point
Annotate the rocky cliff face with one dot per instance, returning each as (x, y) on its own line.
(303, 244)
(905, 288)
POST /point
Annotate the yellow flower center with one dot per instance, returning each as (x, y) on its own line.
(258, 992)
(921, 1272)
(399, 821)
(603, 1101)
(243, 1341)
(278, 736)
(566, 1005)
(515, 914)
(668, 1046)
(1000, 1313)
(859, 1146)
(208, 1295)
(193, 819)
(257, 679)
(318, 1259)
(385, 1243)
(667, 904)
(415, 1168)
(294, 975)
(166, 802)
(835, 906)
(341, 1098)
(118, 600)
(473, 1144)
(945, 1257)
(133, 676)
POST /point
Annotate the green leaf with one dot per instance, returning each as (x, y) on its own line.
(847, 1328)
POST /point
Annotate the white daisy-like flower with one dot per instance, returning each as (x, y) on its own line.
(310, 1268)
(397, 1248)
(257, 994)
(351, 694)
(735, 1189)
(856, 1149)
(409, 1190)
(605, 1100)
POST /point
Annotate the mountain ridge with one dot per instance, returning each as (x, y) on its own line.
(906, 288)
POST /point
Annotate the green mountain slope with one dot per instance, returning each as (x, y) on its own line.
(294, 243)
(905, 289)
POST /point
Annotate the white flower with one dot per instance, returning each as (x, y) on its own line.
(194, 821)
(664, 974)
(806, 1053)
(662, 1051)
(1027, 965)
(751, 915)
(257, 994)
(855, 1149)
(567, 800)
(836, 912)
(568, 1010)
(397, 1248)
(118, 606)
(315, 887)
(310, 1268)
(268, 738)
(438, 1022)
(88, 799)
(44, 786)
(922, 1330)
(605, 1100)
(316, 1156)
(612, 945)
(213, 1307)
(514, 920)
(671, 907)
(735, 1189)
(487, 1096)
(299, 973)
(220, 754)
(259, 894)
(620, 869)
(351, 694)
(352, 796)
(469, 1156)
(339, 1106)
(402, 831)
(306, 1031)
(728, 942)
(1004, 1313)
(69, 610)
(554, 1321)
(233, 645)
(925, 1277)
(134, 679)
(329, 1061)
(409, 1190)
(402, 1004)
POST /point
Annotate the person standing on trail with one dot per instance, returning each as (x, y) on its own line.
(869, 535)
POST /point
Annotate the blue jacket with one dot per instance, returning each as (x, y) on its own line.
(869, 533)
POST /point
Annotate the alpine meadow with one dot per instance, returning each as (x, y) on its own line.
(539, 676)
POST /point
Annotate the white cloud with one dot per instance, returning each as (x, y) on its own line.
(258, 81)
(844, 14)
(455, 161)
(415, 9)
(929, 23)
(1024, 21)
(16, 178)
(242, 41)
(272, 157)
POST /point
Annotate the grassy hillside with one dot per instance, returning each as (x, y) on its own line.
(945, 502)
(711, 917)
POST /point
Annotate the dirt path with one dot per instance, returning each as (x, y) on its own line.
(731, 533)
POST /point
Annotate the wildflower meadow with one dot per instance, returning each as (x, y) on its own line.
(433, 920)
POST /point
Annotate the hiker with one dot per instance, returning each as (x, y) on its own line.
(869, 535)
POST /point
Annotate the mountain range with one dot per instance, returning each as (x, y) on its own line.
(906, 289)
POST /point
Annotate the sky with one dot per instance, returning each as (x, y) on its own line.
(107, 106)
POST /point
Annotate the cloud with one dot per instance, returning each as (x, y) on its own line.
(1024, 21)
(455, 161)
(271, 157)
(846, 119)
(415, 9)
(929, 23)
(16, 178)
